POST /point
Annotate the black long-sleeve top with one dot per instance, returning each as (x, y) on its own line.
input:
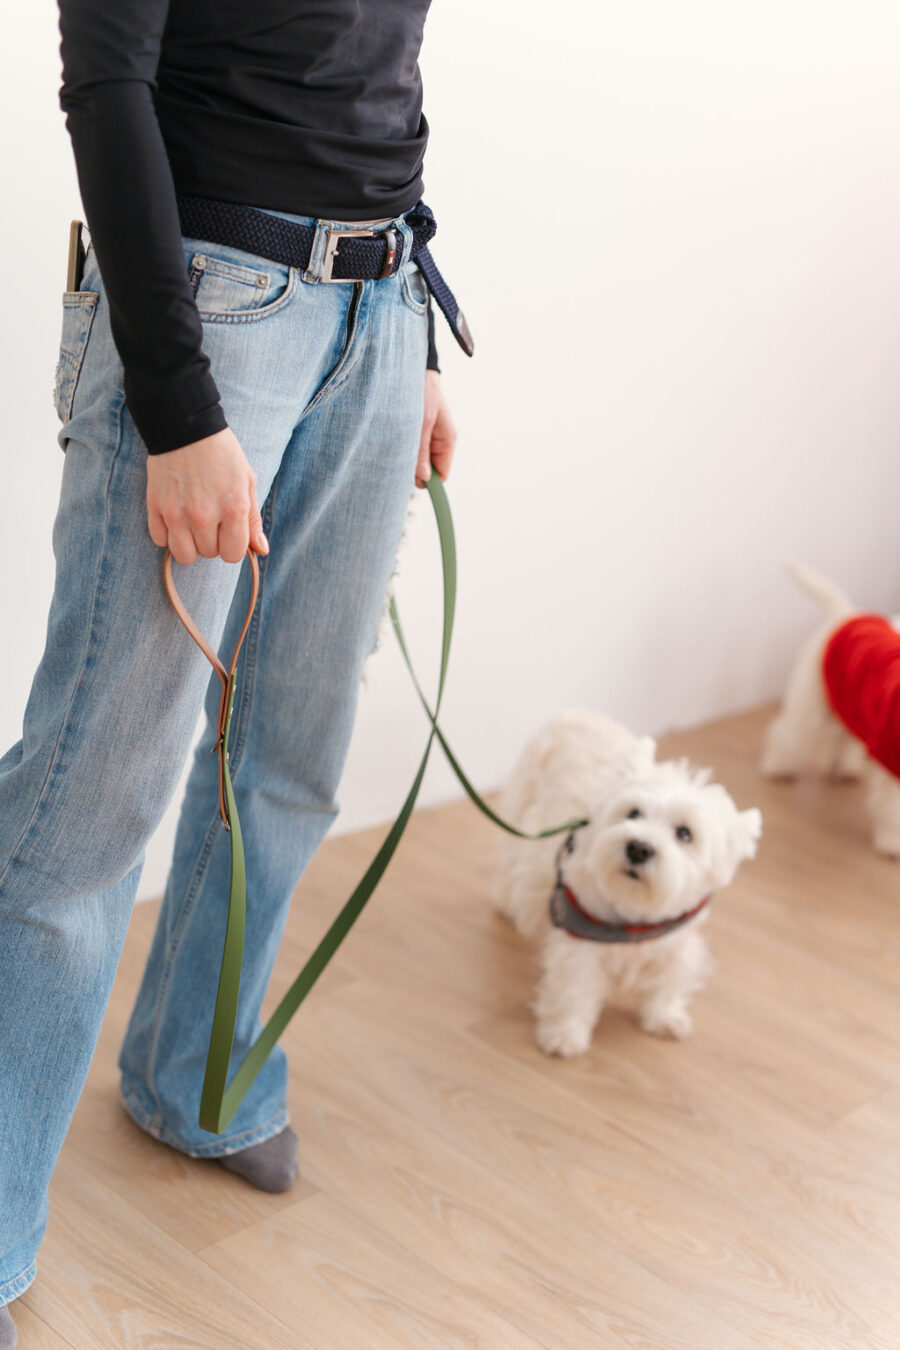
(307, 106)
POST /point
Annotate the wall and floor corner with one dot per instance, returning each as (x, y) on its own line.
(673, 231)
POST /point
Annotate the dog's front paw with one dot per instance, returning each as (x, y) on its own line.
(841, 777)
(565, 1039)
(777, 769)
(887, 843)
(781, 759)
(675, 1022)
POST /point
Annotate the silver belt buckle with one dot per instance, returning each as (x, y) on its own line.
(333, 238)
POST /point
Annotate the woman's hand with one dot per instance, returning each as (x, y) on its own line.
(201, 500)
(438, 433)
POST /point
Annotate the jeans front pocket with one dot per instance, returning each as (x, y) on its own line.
(228, 291)
(79, 308)
(413, 287)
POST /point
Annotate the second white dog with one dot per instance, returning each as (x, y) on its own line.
(660, 839)
(806, 737)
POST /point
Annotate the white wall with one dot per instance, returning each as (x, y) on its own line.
(674, 229)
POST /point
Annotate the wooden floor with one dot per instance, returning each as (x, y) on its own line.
(460, 1190)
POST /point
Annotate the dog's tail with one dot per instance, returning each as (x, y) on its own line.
(828, 595)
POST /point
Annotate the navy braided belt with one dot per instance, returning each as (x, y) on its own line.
(363, 255)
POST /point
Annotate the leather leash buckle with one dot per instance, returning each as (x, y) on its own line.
(227, 677)
(334, 237)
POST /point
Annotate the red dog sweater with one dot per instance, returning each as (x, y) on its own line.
(861, 669)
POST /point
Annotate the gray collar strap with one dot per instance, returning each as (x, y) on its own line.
(565, 912)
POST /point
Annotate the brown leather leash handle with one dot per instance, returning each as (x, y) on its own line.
(226, 676)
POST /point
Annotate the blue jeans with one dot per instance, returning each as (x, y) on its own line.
(323, 385)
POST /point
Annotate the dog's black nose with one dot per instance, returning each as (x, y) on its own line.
(638, 852)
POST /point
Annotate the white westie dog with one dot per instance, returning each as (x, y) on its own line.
(629, 888)
(862, 672)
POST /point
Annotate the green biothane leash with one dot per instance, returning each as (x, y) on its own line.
(220, 1098)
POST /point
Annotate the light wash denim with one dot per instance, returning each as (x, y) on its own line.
(323, 384)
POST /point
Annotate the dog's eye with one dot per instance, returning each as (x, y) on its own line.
(683, 834)
(633, 814)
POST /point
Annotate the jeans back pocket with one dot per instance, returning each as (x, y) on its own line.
(79, 308)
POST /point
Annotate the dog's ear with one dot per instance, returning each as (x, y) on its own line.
(748, 831)
(645, 751)
(736, 838)
(697, 777)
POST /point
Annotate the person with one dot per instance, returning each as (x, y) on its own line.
(212, 398)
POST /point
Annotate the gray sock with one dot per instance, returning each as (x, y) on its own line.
(8, 1338)
(269, 1166)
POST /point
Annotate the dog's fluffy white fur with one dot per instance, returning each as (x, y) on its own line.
(583, 764)
(806, 737)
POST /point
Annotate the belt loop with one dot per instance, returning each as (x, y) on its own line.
(406, 235)
(313, 272)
